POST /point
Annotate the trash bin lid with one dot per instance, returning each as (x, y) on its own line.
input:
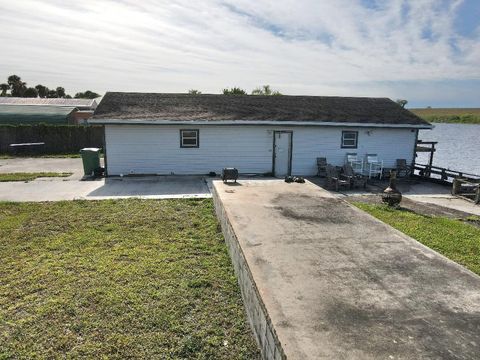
(90, 149)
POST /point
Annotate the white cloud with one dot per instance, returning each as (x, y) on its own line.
(300, 47)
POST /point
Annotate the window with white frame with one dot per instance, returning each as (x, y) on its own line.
(349, 139)
(189, 138)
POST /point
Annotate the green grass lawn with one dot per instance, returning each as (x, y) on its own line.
(24, 176)
(449, 115)
(118, 279)
(455, 239)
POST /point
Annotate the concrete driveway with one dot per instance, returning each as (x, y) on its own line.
(112, 188)
(71, 188)
(336, 283)
(19, 164)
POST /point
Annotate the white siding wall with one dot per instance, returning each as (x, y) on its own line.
(155, 149)
(390, 144)
(145, 149)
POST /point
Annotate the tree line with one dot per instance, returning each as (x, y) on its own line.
(15, 87)
(261, 90)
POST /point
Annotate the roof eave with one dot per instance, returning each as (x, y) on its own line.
(252, 122)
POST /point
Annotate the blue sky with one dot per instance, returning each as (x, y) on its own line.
(426, 51)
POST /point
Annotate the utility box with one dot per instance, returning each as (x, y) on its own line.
(91, 160)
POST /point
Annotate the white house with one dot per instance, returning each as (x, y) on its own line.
(199, 134)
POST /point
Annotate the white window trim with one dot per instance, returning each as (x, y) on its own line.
(196, 137)
(355, 139)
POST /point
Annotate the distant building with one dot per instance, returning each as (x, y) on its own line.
(15, 110)
(80, 104)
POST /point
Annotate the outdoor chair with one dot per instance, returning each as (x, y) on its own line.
(374, 166)
(321, 166)
(335, 180)
(356, 180)
(403, 170)
(354, 162)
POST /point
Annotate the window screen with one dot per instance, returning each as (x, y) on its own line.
(189, 138)
(349, 139)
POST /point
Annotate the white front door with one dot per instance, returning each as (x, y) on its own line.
(282, 153)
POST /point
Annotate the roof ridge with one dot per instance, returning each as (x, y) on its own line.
(243, 95)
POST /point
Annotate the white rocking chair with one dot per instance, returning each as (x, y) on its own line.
(355, 163)
(374, 166)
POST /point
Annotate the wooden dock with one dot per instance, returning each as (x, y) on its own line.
(464, 185)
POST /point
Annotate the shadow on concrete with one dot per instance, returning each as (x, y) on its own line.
(154, 186)
(231, 183)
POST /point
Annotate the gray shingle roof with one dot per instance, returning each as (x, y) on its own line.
(208, 107)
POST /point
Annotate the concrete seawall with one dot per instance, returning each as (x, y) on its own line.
(321, 279)
(256, 312)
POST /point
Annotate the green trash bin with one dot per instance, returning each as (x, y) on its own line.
(91, 160)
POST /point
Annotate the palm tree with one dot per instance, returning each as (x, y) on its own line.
(4, 88)
(13, 79)
(265, 90)
(17, 85)
(30, 93)
(86, 95)
(234, 91)
(42, 90)
(52, 94)
(60, 92)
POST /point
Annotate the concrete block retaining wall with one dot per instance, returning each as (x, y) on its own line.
(256, 311)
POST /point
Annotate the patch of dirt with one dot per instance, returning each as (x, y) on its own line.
(312, 209)
(415, 206)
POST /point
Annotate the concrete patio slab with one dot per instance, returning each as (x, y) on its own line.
(56, 189)
(413, 189)
(323, 280)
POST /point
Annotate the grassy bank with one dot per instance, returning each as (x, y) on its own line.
(457, 240)
(24, 176)
(450, 115)
(118, 279)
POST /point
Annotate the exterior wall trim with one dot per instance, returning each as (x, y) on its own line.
(251, 122)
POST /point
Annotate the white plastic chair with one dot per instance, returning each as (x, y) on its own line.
(355, 163)
(374, 166)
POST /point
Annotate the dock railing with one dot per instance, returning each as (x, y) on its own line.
(464, 184)
(442, 174)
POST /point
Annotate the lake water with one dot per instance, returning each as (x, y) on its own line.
(458, 147)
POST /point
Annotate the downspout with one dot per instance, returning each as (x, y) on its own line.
(105, 150)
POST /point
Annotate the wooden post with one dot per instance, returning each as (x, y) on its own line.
(456, 186)
(430, 161)
(477, 195)
(444, 175)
